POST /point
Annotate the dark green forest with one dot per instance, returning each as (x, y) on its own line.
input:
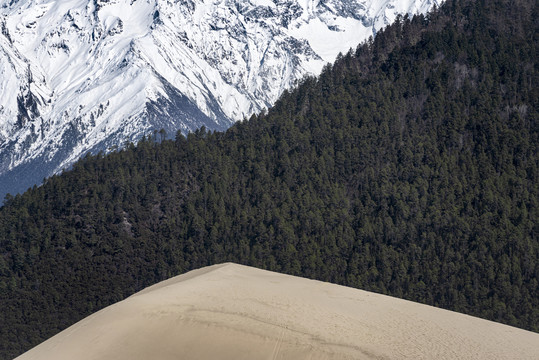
(408, 168)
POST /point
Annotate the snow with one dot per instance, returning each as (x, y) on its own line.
(91, 67)
(329, 43)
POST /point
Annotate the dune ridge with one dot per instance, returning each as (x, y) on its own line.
(231, 311)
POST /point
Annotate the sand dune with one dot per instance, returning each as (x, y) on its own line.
(231, 311)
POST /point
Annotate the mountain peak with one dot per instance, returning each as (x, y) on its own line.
(85, 76)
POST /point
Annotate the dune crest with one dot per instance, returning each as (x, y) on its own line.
(231, 311)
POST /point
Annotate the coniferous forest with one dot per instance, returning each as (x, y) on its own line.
(409, 168)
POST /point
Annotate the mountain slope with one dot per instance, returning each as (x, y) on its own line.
(85, 75)
(409, 168)
(230, 311)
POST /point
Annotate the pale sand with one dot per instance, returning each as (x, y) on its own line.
(231, 311)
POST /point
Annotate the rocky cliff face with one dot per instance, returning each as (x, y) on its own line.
(90, 75)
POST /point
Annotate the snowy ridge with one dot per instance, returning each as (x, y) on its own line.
(89, 75)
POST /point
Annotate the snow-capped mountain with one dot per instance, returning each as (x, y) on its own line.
(89, 75)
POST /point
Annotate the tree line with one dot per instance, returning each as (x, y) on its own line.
(409, 167)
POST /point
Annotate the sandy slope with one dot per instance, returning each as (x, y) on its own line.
(231, 311)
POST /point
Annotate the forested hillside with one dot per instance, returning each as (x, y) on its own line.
(409, 168)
